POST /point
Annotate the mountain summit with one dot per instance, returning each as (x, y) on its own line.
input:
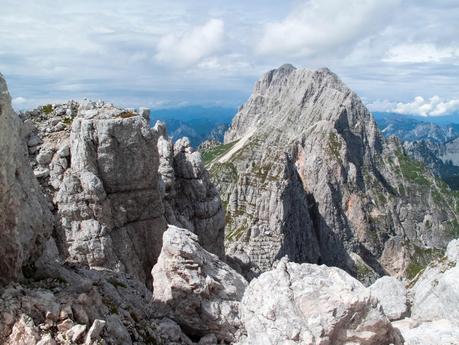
(306, 173)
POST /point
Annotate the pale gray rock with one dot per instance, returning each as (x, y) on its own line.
(95, 330)
(391, 294)
(108, 199)
(452, 251)
(306, 173)
(435, 294)
(202, 292)
(191, 200)
(438, 332)
(25, 219)
(118, 309)
(311, 304)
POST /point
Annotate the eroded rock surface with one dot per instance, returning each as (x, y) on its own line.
(392, 295)
(311, 304)
(109, 202)
(190, 198)
(434, 297)
(202, 292)
(306, 173)
(25, 218)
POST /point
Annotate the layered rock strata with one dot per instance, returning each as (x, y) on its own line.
(25, 218)
(306, 173)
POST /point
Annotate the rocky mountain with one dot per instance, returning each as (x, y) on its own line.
(198, 124)
(305, 172)
(408, 128)
(434, 144)
(85, 212)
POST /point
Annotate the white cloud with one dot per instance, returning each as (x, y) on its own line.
(17, 101)
(435, 106)
(381, 105)
(420, 53)
(325, 26)
(191, 47)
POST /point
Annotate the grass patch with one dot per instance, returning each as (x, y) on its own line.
(112, 307)
(334, 145)
(420, 259)
(126, 114)
(452, 228)
(237, 233)
(412, 170)
(67, 120)
(47, 109)
(217, 151)
(117, 283)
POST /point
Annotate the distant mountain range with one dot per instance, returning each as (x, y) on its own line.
(195, 122)
(432, 140)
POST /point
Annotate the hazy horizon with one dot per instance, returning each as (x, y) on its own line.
(397, 55)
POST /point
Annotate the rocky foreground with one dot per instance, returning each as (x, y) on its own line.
(93, 209)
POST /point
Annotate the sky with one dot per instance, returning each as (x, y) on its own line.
(398, 55)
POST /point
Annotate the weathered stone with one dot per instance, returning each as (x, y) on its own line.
(202, 292)
(391, 293)
(95, 330)
(435, 294)
(25, 220)
(306, 173)
(109, 200)
(76, 333)
(191, 200)
(311, 304)
(24, 332)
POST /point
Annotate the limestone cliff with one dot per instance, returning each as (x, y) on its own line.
(191, 200)
(306, 173)
(25, 218)
(115, 183)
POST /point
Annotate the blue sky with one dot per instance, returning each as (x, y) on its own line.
(397, 55)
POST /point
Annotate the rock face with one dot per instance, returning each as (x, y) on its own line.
(311, 304)
(115, 183)
(435, 294)
(191, 200)
(25, 219)
(391, 293)
(202, 292)
(434, 298)
(306, 173)
(109, 201)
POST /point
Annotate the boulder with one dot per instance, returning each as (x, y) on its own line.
(438, 332)
(311, 304)
(391, 293)
(202, 292)
(435, 294)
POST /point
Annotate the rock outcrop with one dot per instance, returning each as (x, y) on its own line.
(191, 200)
(115, 183)
(25, 218)
(202, 292)
(434, 297)
(306, 173)
(392, 296)
(311, 304)
(80, 306)
(108, 201)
